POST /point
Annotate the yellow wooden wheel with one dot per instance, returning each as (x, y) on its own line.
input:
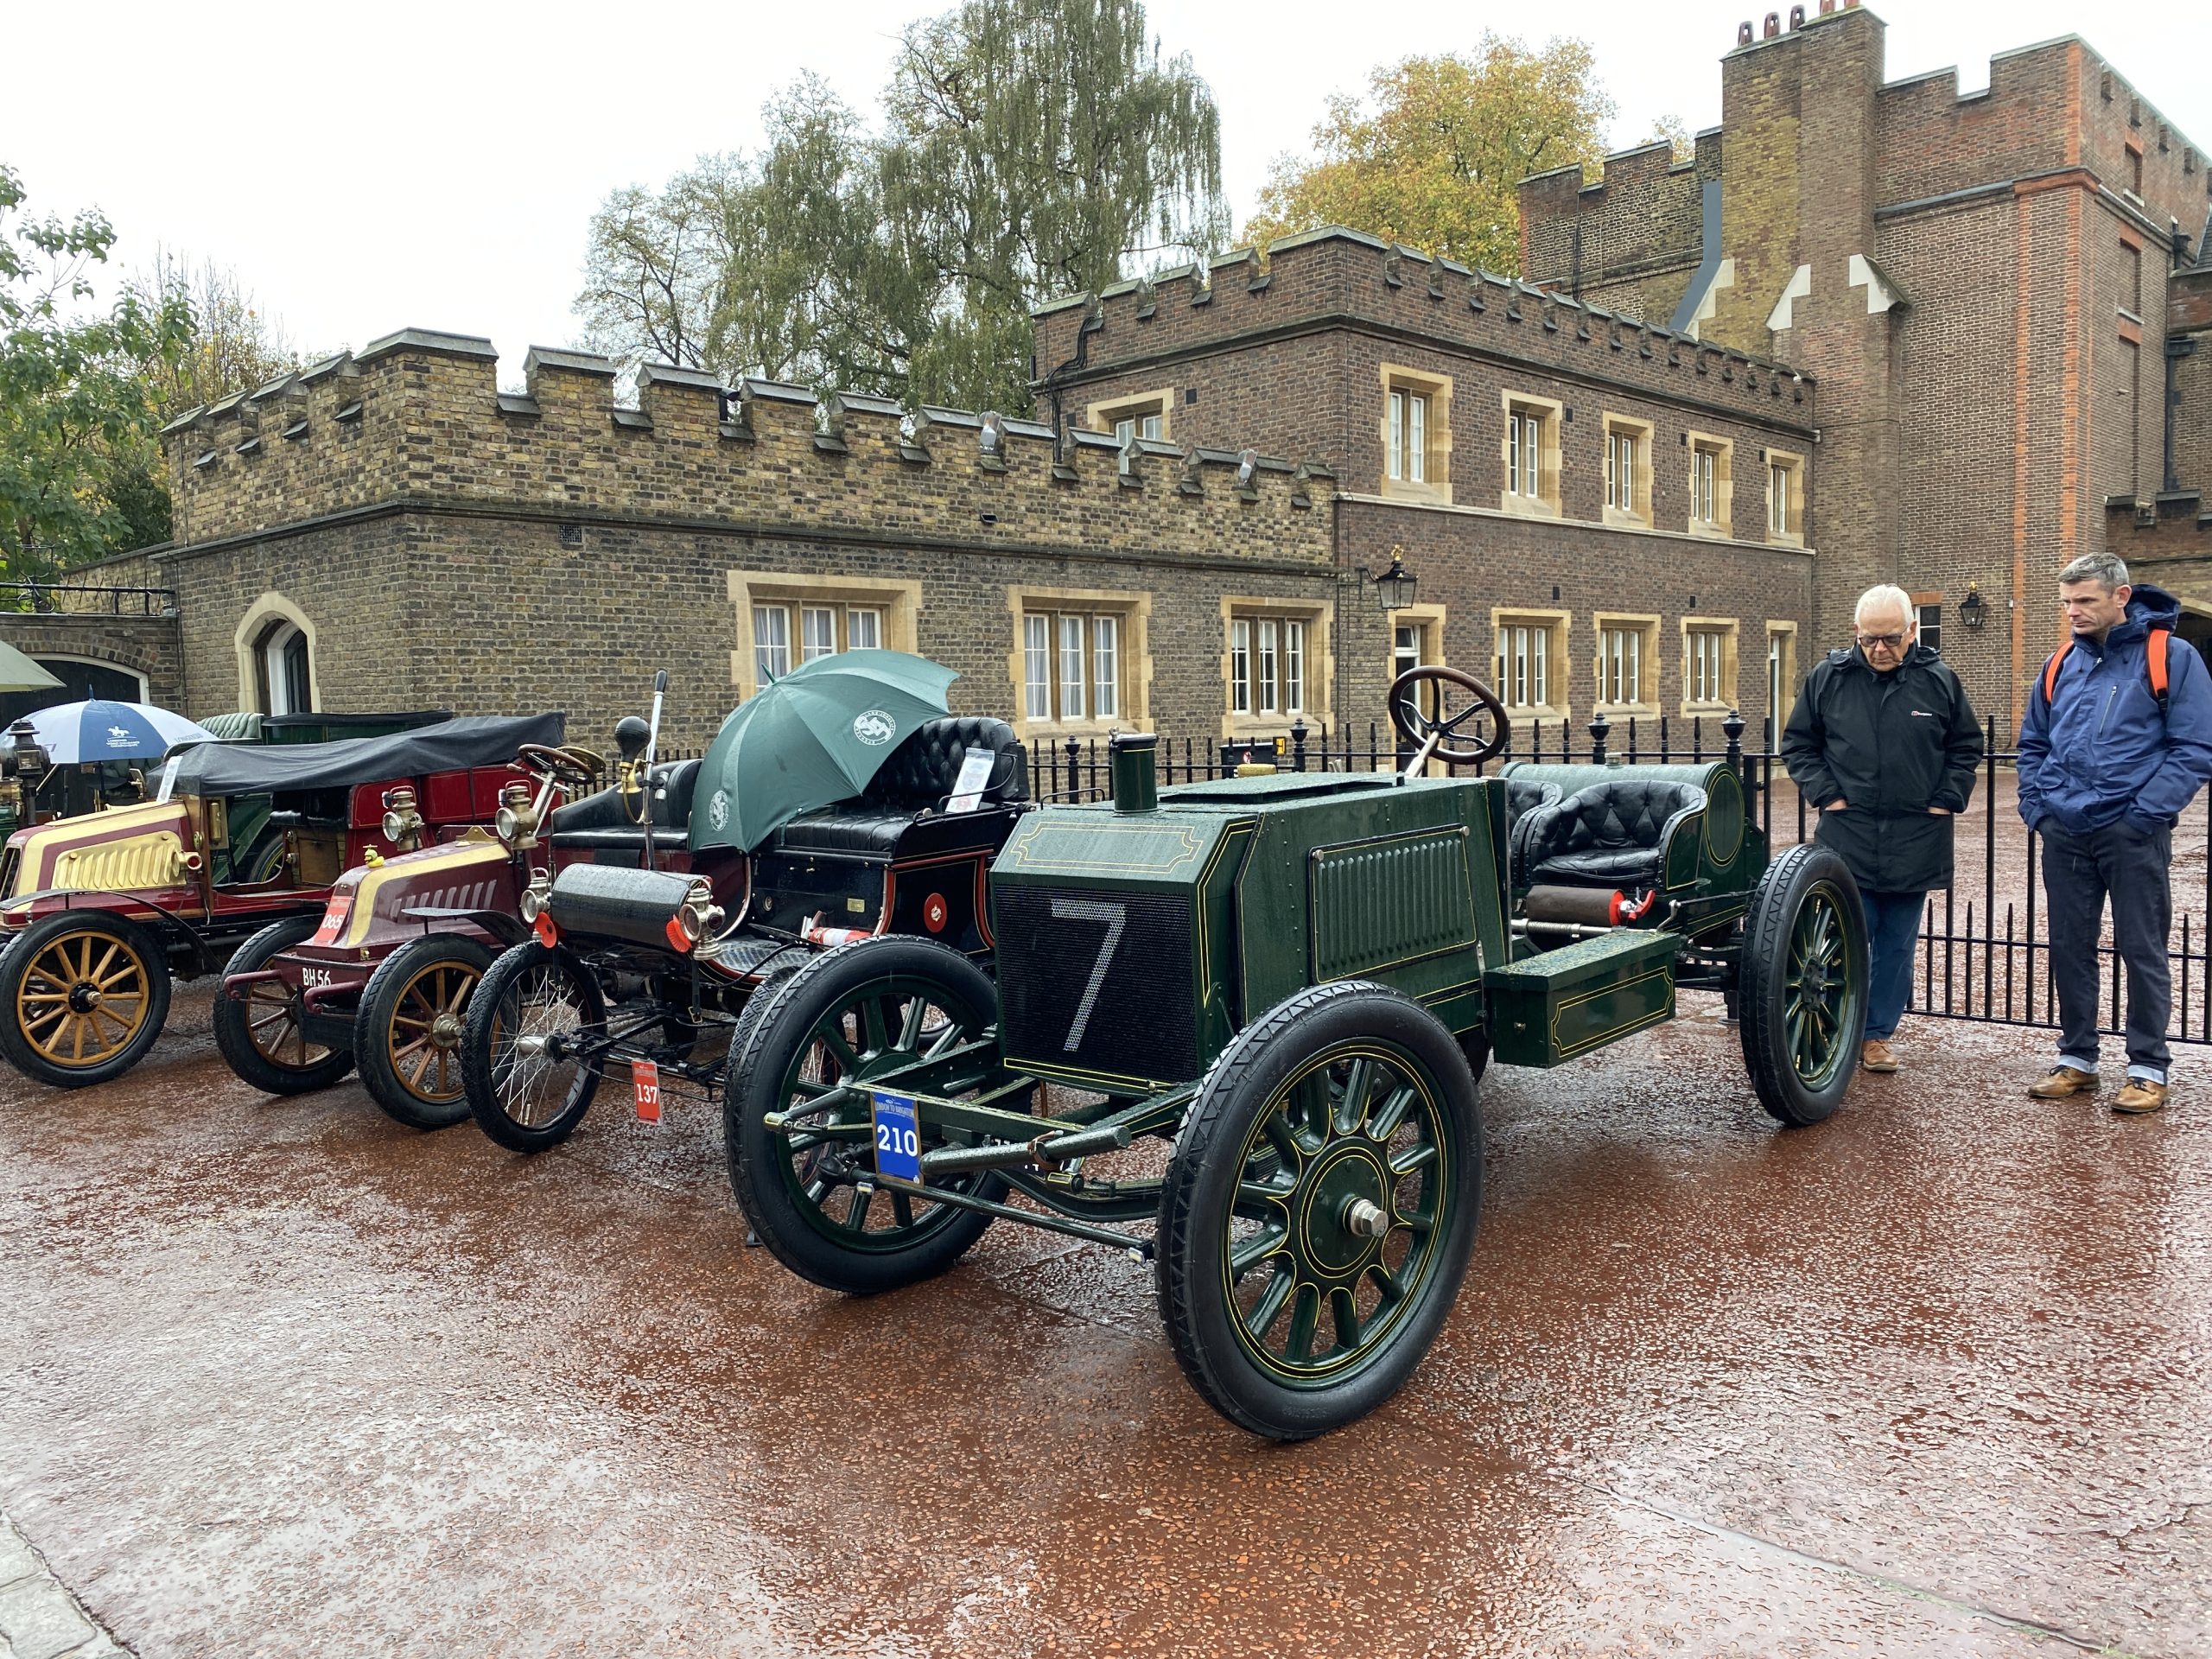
(85, 994)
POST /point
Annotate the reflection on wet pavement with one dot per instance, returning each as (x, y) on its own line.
(283, 1378)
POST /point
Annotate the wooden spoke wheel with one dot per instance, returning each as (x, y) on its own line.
(531, 1046)
(810, 1190)
(408, 1032)
(84, 994)
(1800, 985)
(1319, 1209)
(260, 1034)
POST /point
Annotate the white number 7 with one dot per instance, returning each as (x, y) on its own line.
(1091, 910)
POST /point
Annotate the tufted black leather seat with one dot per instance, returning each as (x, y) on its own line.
(600, 821)
(1521, 800)
(917, 778)
(1608, 835)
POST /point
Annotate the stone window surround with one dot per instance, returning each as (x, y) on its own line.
(1728, 629)
(1640, 516)
(1320, 663)
(899, 602)
(1721, 526)
(1779, 711)
(1546, 503)
(1437, 388)
(1100, 416)
(1134, 653)
(1559, 667)
(1429, 618)
(1646, 623)
(271, 606)
(1795, 507)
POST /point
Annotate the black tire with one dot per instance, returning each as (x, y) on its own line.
(532, 993)
(1254, 1153)
(80, 979)
(782, 1187)
(260, 1037)
(1800, 987)
(1474, 1046)
(407, 1033)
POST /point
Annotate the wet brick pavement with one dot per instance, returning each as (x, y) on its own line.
(282, 1377)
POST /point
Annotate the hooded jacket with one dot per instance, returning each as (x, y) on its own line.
(2099, 751)
(1890, 747)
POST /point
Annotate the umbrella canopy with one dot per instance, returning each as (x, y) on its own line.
(74, 733)
(813, 738)
(19, 673)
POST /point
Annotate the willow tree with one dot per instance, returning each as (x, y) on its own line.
(1029, 147)
(1434, 154)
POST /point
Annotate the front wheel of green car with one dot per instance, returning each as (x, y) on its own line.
(1320, 1210)
(810, 1189)
(1801, 990)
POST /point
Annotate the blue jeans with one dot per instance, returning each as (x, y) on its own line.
(1892, 927)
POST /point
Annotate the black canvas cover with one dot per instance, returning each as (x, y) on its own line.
(212, 769)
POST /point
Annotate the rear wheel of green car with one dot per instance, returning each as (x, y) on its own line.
(1800, 988)
(1320, 1210)
(810, 1189)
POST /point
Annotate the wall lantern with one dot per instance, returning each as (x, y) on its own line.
(1396, 587)
(1974, 609)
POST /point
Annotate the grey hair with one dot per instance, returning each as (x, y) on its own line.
(2108, 568)
(1881, 595)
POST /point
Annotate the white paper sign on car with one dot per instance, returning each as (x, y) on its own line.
(168, 777)
(974, 777)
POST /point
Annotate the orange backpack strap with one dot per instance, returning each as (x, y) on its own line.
(2050, 671)
(2159, 664)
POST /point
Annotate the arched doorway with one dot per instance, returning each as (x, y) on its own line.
(82, 679)
(2195, 626)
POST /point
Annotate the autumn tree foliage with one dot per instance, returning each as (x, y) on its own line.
(1433, 155)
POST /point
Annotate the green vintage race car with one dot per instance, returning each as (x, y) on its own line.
(1295, 980)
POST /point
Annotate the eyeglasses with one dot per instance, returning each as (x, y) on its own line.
(1890, 641)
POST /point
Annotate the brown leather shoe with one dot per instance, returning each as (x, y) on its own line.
(2140, 1096)
(2063, 1083)
(1874, 1055)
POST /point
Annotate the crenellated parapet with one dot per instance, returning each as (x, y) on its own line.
(1334, 276)
(417, 419)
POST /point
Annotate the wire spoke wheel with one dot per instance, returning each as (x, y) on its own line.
(1319, 1209)
(532, 1047)
(809, 1187)
(84, 995)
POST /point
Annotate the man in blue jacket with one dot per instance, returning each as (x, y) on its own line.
(2116, 742)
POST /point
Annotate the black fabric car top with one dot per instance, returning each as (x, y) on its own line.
(213, 769)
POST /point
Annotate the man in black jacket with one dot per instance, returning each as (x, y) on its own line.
(1884, 742)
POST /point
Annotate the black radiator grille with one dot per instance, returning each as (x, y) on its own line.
(1066, 1003)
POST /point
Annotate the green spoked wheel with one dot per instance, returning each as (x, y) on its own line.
(1320, 1210)
(1801, 990)
(810, 1189)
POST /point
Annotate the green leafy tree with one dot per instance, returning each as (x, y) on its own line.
(1029, 147)
(76, 411)
(1434, 156)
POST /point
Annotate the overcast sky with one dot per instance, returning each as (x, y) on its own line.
(372, 167)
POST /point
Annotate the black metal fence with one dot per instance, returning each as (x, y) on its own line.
(1983, 956)
(79, 599)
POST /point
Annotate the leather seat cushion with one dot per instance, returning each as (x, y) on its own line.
(632, 838)
(605, 810)
(1608, 834)
(844, 830)
(921, 772)
(1622, 866)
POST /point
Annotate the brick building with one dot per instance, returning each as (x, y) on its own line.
(1991, 291)
(1869, 331)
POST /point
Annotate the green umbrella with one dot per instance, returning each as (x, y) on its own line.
(813, 738)
(19, 673)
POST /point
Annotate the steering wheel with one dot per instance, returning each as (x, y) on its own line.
(1417, 724)
(572, 768)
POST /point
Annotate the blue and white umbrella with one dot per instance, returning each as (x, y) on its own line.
(74, 733)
